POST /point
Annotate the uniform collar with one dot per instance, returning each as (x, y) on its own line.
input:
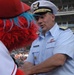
(54, 31)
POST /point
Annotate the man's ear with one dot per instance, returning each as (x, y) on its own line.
(53, 16)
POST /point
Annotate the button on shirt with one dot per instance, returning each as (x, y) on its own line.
(55, 41)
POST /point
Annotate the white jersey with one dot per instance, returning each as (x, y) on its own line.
(7, 65)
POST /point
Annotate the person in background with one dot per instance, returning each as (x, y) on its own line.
(52, 53)
(17, 30)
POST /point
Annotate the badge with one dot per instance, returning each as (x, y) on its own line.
(35, 6)
(35, 57)
(36, 46)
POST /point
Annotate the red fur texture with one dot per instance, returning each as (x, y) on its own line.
(17, 37)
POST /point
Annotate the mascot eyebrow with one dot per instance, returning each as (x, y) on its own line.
(17, 29)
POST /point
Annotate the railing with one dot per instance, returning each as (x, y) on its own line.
(66, 25)
(65, 13)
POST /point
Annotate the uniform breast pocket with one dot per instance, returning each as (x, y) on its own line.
(50, 45)
(36, 56)
(49, 49)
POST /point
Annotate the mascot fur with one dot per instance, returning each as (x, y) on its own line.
(17, 30)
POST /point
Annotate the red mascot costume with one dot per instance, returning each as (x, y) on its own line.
(17, 29)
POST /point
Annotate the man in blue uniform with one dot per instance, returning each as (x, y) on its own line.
(52, 53)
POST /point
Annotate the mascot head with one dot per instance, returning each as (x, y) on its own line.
(17, 26)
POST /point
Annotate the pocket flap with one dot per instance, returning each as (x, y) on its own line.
(35, 49)
(50, 45)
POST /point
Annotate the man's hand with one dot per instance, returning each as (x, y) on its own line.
(27, 68)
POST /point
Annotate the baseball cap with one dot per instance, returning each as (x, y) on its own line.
(12, 8)
(41, 6)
